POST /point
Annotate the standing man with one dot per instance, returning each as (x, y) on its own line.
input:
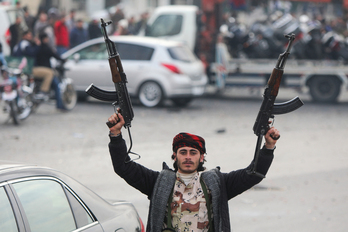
(16, 33)
(44, 26)
(78, 34)
(61, 33)
(70, 20)
(116, 17)
(94, 30)
(222, 58)
(141, 24)
(187, 198)
(29, 19)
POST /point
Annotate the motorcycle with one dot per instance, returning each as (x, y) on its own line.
(62, 90)
(261, 43)
(15, 94)
(235, 35)
(334, 47)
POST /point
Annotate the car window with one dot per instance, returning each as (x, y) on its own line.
(45, 205)
(7, 218)
(181, 53)
(134, 52)
(82, 217)
(93, 52)
(165, 25)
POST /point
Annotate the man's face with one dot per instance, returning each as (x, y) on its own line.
(18, 20)
(79, 24)
(188, 159)
(28, 36)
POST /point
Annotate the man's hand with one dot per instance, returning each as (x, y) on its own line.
(270, 136)
(37, 41)
(118, 120)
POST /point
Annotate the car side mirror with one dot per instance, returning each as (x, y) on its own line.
(76, 57)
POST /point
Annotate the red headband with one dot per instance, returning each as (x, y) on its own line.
(188, 140)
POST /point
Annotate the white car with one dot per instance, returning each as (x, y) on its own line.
(8, 16)
(36, 198)
(156, 69)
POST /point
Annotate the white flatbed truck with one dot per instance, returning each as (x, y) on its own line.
(324, 80)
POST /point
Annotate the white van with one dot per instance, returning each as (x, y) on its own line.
(174, 22)
(8, 16)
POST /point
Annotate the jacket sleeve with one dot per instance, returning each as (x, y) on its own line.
(54, 54)
(133, 173)
(31, 50)
(240, 180)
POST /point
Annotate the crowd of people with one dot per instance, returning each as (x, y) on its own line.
(66, 31)
(124, 26)
(46, 36)
(51, 33)
(63, 31)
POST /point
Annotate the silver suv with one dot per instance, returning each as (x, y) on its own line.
(8, 16)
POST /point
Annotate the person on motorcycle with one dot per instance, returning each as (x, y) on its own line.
(29, 48)
(43, 64)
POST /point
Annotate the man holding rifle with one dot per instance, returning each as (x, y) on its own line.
(187, 198)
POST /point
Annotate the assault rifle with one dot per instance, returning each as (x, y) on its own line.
(268, 108)
(120, 97)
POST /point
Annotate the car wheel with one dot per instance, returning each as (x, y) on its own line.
(150, 94)
(69, 96)
(182, 102)
(324, 89)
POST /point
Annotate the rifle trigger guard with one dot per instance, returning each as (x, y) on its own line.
(273, 119)
(114, 104)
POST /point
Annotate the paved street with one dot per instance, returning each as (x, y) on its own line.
(305, 189)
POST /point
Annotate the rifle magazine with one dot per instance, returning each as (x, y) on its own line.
(287, 107)
(100, 94)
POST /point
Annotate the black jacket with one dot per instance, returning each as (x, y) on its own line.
(226, 186)
(43, 56)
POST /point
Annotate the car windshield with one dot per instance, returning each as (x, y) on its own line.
(182, 53)
(93, 52)
(165, 25)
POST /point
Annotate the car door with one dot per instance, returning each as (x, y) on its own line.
(46, 206)
(90, 65)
